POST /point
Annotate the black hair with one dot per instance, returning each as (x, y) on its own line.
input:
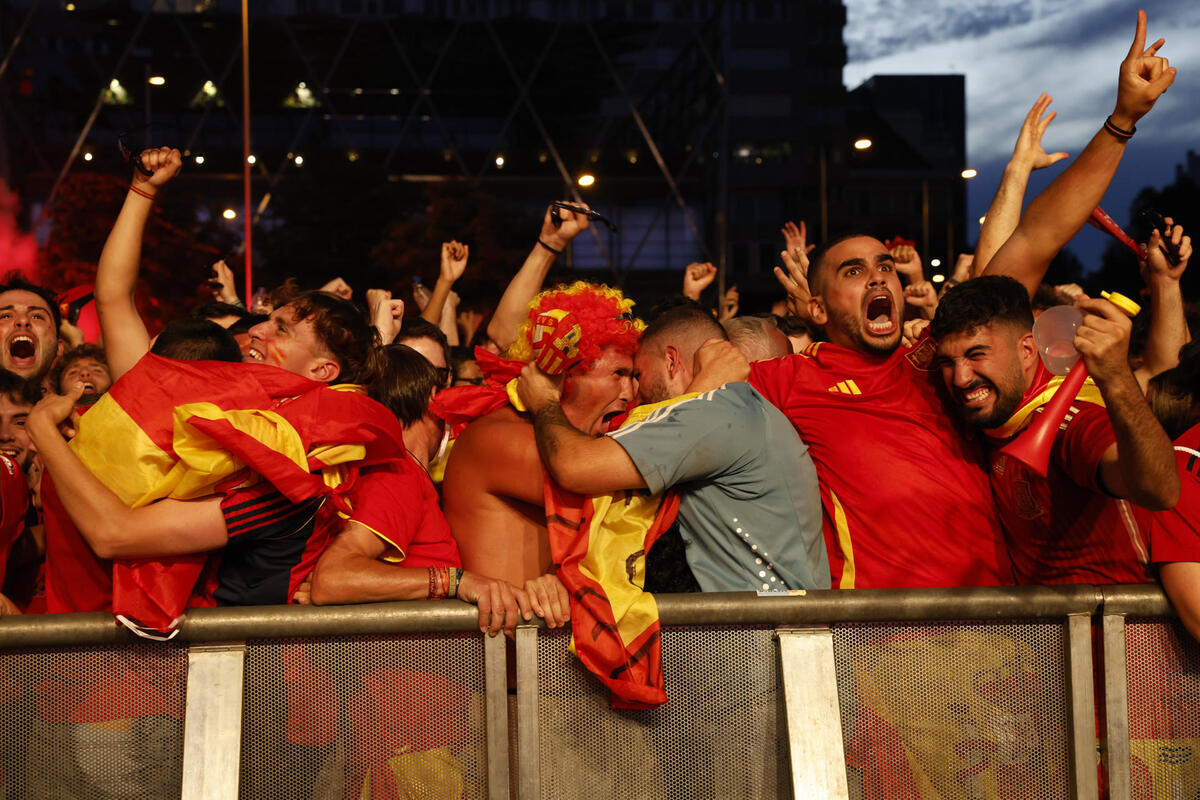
(817, 258)
(218, 309)
(418, 328)
(247, 322)
(1175, 393)
(406, 382)
(196, 340)
(18, 390)
(685, 321)
(15, 281)
(982, 301)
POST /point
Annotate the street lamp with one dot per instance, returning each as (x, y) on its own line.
(862, 144)
(969, 173)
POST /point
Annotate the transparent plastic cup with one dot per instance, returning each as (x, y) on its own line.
(1053, 333)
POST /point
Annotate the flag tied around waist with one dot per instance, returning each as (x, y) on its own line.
(187, 429)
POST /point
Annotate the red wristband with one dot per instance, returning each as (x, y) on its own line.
(143, 193)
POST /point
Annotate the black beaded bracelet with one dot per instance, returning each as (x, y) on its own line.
(548, 247)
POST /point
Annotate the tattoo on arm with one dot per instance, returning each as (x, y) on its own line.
(553, 430)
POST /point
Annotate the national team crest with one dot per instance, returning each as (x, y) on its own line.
(921, 356)
(555, 341)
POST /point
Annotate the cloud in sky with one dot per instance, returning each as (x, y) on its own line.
(1010, 50)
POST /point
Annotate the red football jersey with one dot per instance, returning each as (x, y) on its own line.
(1064, 528)
(905, 495)
(1175, 534)
(14, 502)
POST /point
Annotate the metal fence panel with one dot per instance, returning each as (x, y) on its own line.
(956, 711)
(400, 716)
(101, 723)
(719, 735)
(1163, 672)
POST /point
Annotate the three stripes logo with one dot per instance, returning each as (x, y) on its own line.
(846, 387)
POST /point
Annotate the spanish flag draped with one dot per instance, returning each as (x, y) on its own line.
(183, 430)
(600, 544)
(1037, 396)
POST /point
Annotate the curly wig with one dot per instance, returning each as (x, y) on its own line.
(604, 314)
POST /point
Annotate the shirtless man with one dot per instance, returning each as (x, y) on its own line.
(493, 490)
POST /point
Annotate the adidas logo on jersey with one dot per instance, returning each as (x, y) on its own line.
(846, 387)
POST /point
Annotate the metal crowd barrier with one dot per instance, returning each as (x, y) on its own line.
(933, 693)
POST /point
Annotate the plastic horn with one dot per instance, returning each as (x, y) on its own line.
(1104, 222)
(1032, 447)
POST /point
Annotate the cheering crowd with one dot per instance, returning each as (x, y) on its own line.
(565, 454)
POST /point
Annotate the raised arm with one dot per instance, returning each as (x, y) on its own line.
(579, 462)
(559, 227)
(1140, 465)
(1060, 211)
(454, 263)
(111, 528)
(1005, 211)
(1168, 324)
(125, 337)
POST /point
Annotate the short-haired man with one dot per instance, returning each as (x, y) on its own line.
(29, 320)
(1079, 524)
(17, 397)
(749, 512)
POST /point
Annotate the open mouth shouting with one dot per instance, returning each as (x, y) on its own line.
(22, 350)
(880, 314)
(608, 421)
(977, 395)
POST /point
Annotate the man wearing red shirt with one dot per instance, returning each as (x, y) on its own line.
(1074, 525)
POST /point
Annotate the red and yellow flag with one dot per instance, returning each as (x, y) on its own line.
(181, 429)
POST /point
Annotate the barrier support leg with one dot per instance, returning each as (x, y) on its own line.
(1116, 709)
(212, 734)
(1084, 763)
(529, 767)
(814, 728)
(495, 652)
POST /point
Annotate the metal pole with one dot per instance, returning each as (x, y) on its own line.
(16, 42)
(246, 147)
(146, 89)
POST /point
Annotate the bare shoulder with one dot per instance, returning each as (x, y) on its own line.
(502, 432)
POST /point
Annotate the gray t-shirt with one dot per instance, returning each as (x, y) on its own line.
(750, 511)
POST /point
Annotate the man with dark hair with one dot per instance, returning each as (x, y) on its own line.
(750, 512)
(1074, 525)
(86, 364)
(17, 397)
(29, 322)
(430, 341)
(224, 314)
(195, 340)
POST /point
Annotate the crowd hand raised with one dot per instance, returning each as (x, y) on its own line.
(570, 224)
(70, 333)
(1028, 152)
(222, 282)
(795, 238)
(501, 605)
(908, 262)
(716, 363)
(7, 607)
(697, 277)
(386, 314)
(922, 296)
(339, 287)
(912, 330)
(163, 164)
(795, 282)
(1069, 293)
(549, 599)
(537, 389)
(1102, 339)
(962, 268)
(1156, 267)
(729, 304)
(454, 260)
(303, 594)
(1144, 76)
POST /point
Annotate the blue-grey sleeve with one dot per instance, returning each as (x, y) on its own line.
(694, 439)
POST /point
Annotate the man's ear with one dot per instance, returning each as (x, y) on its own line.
(1027, 351)
(62, 348)
(325, 370)
(816, 310)
(673, 360)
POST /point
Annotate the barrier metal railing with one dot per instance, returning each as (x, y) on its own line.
(930, 693)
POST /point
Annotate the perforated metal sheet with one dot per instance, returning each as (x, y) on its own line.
(1163, 670)
(95, 724)
(954, 711)
(380, 716)
(716, 737)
